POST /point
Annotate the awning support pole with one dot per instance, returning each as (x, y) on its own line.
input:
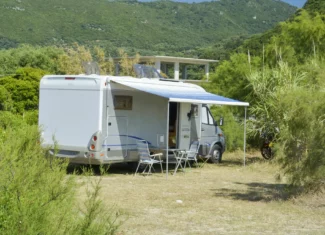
(167, 138)
(245, 137)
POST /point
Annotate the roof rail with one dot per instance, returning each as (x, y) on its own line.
(169, 80)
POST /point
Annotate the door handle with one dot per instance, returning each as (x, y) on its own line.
(202, 129)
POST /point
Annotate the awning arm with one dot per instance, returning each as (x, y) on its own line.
(167, 138)
(245, 137)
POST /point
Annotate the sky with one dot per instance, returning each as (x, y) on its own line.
(297, 3)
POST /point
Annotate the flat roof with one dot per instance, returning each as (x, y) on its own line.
(178, 59)
(172, 59)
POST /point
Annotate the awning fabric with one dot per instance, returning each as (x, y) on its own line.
(175, 91)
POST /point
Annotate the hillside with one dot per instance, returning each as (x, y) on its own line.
(147, 26)
(255, 43)
(297, 3)
(315, 6)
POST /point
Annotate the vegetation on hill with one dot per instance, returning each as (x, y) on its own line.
(314, 6)
(256, 42)
(283, 80)
(147, 27)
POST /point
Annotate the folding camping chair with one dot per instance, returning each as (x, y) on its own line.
(146, 158)
(191, 154)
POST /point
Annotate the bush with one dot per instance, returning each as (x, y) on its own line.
(291, 108)
(302, 138)
(37, 196)
(232, 127)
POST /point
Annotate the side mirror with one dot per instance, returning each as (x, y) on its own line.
(221, 121)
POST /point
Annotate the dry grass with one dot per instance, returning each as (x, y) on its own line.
(216, 199)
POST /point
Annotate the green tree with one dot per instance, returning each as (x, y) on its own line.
(5, 99)
(302, 37)
(106, 65)
(230, 78)
(74, 59)
(126, 63)
(44, 58)
(23, 88)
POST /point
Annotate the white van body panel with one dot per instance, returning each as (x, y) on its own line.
(70, 110)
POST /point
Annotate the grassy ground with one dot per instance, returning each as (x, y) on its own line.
(216, 199)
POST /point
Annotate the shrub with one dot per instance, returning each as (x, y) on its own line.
(36, 194)
(302, 138)
(290, 107)
(232, 127)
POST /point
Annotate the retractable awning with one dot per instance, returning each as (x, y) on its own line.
(174, 91)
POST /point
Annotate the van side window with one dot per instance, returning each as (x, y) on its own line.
(123, 102)
(211, 120)
(204, 115)
(207, 118)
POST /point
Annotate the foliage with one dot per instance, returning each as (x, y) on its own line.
(300, 38)
(6, 43)
(301, 150)
(294, 41)
(220, 50)
(97, 220)
(315, 6)
(157, 27)
(44, 58)
(267, 89)
(10, 120)
(284, 86)
(287, 106)
(231, 127)
(230, 77)
(74, 60)
(23, 89)
(106, 66)
(36, 195)
(126, 64)
(6, 102)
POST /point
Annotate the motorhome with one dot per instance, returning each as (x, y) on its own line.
(97, 119)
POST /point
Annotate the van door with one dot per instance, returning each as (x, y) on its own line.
(117, 141)
(208, 128)
(184, 129)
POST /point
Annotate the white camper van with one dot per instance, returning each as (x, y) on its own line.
(98, 119)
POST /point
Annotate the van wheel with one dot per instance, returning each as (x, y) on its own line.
(216, 155)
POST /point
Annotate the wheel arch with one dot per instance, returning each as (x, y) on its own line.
(216, 143)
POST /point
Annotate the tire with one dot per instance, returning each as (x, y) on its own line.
(216, 154)
(266, 153)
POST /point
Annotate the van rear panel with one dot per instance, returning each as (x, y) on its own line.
(70, 110)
